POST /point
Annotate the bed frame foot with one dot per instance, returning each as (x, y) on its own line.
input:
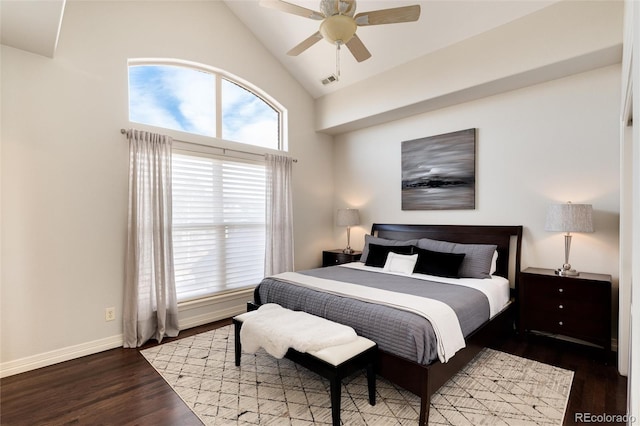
(425, 401)
(424, 411)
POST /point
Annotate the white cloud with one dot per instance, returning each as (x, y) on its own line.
(194, 92)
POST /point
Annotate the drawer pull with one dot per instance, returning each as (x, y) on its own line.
(560, 290)
(561, 307)
(559, 322)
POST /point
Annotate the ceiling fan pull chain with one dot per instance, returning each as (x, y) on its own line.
(338, 60)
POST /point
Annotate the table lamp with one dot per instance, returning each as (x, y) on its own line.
(569, 218)
(348, 218)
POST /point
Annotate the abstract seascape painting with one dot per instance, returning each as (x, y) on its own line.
(438, 172)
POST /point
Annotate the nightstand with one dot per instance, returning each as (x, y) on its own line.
(337, 257)
(576, 307)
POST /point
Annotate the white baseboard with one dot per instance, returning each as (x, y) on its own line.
(191, 314)
(211, 317)
(59, 355)
(214, 308)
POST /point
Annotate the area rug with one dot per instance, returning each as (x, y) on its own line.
(494, 389)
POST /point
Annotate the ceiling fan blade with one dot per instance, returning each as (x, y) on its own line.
(357, 49)
(389, 16)
(305, 44)
(283, 6)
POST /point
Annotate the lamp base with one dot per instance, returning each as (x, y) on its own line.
(567, 272)
(348, 250)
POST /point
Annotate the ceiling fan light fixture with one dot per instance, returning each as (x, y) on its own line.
(338, 28)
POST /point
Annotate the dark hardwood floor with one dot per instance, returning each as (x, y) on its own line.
(119, 387)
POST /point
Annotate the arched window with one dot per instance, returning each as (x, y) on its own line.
(218, 200)
(199, 100)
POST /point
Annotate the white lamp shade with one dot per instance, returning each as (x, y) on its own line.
(569, 218)
(348, 217)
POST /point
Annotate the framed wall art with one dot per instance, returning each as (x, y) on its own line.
(439, 173)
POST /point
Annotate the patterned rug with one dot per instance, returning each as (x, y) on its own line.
(494, 389)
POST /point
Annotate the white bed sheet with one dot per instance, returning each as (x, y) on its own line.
(496, 288)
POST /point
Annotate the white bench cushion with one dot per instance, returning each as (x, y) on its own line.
(336, 355)
(244, 316)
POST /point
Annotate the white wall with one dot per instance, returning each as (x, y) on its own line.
(64, 167)
(543, 144)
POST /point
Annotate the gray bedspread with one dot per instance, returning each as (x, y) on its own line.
(399, 332)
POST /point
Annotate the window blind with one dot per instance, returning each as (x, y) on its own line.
(218, 224)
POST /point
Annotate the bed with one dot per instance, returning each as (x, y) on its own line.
(412, 350)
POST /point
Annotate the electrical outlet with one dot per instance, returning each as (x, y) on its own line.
(109, 314)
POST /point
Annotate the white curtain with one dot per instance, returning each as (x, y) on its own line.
(279, 216)
(150, 304)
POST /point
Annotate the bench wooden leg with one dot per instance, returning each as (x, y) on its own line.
(238, 346)
(336, 388)
(371, 382)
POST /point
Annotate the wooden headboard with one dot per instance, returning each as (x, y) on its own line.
(464, 234)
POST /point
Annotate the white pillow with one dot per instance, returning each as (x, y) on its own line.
(400, 263)
(494, 263)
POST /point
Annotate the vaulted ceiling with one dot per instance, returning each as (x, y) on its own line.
(441, 24)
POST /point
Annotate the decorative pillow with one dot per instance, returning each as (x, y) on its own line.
(369, 239)
(477, 260)
(494, 263)
(438, 263)
(400, 263)
(378, 254)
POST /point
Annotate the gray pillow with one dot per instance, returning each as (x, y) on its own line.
(370, 239)
(477, 259)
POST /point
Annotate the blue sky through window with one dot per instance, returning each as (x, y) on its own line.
(173, 97)
(184, 99)
(247, 118)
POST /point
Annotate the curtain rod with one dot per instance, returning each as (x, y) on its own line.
(295, 160)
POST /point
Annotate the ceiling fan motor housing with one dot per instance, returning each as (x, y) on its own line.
(338, 29)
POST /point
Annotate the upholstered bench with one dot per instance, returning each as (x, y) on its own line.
(334, 363)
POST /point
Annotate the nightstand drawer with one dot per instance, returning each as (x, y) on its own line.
(568, 301)
(567, 307)
(569, 324)
(562, 288)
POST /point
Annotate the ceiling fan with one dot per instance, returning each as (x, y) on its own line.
(339, 23)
